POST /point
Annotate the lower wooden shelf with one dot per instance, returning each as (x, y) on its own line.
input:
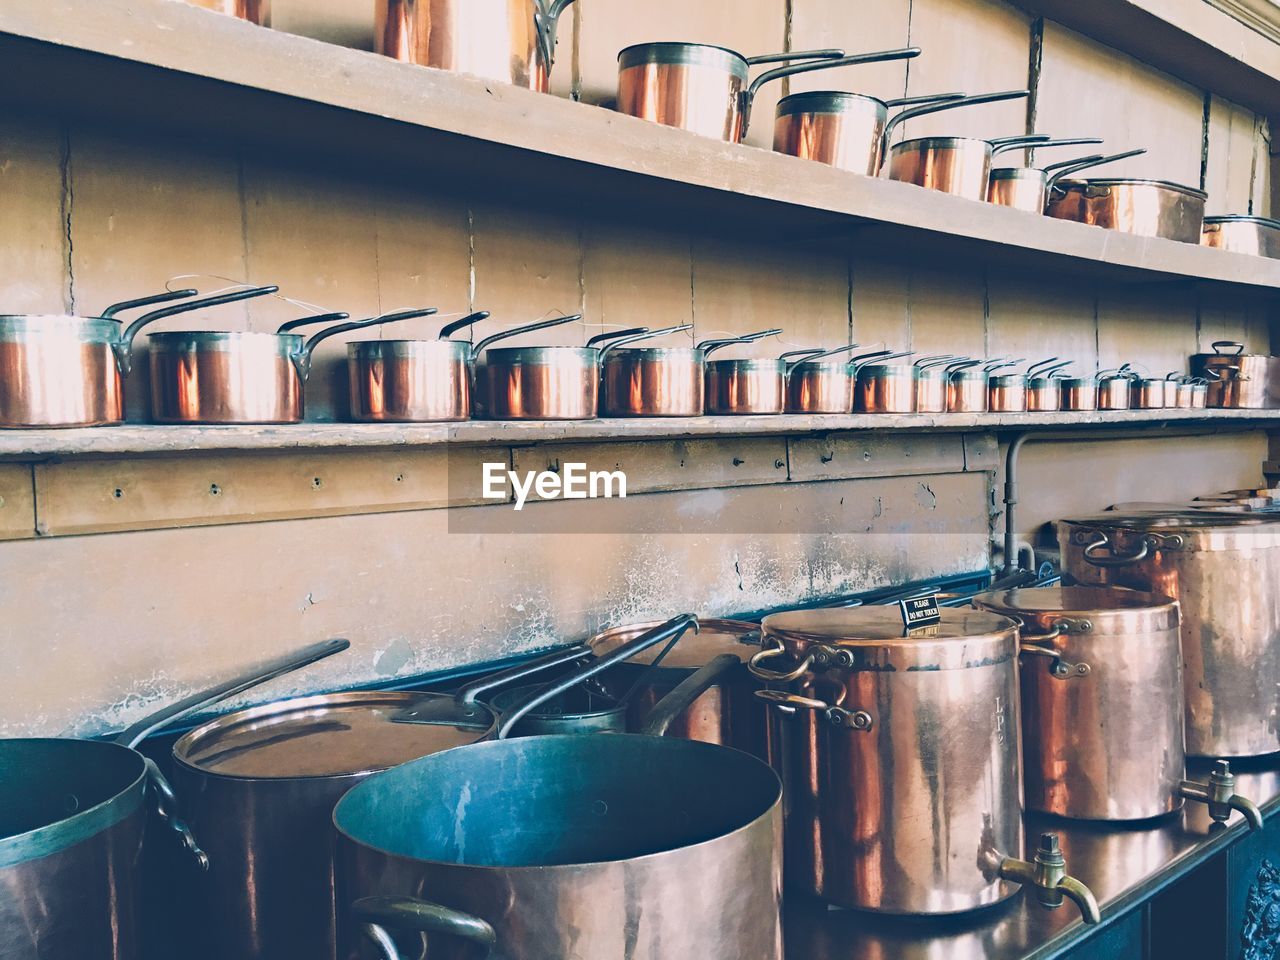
(135, 439)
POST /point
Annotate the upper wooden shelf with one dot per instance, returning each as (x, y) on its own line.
(140, 439)
(175, 67)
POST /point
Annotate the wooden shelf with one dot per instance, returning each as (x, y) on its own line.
(132, 440)
(178, 68)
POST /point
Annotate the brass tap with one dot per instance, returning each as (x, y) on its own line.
(1048, 875)
(1219, 794)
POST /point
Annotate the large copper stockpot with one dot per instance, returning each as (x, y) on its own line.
(259, 785)
(1237, 379)
(412, 381)
(661, 381)
(65, 371)
(727, 713)
(1223, 570)
(1239, 233)
(593, 846)
(511, 41)
(704, 88)
(816, 384)
(72, 818)
(1029, 188)
(213, 376)
(1148, 208)
(548, 383)
(901, 757)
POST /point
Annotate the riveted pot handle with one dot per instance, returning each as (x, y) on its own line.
(668, 632)
(659, 719)
(836, 716)
(1220, 345)
(124, 346)
(525, 328)
(167, 297)
(302, 359)
(166, 807)
(546, 20)
(376, 914)
(1093, 553)
(777, 676)
(1035, 644)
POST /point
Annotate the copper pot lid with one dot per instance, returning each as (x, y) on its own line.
(693, 650)
(331, 735)
(1195, 529)
(878, 641)
(1108, 610)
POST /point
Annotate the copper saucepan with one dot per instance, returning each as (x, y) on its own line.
(1148, 208)
(1044, 385)
(1113, 388)
(66, 371)
(704, 88)
(966, 387)
(816, 384)
(412, 381)
(845, 130)
(223, 376)
(931, 382)
(547, 383)
(1006, 392)
(1029, 188)
(885, 387)
(1243, 233)
(754, 385)
(511, 41)
(660, 381)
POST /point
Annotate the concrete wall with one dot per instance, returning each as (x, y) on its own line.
(97, 625)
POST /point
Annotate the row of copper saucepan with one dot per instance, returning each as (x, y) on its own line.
(707, 89)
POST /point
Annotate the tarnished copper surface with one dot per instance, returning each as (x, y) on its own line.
(1256, 236)
(1022, 188)
(1107, 744)
(1149, 208)
(912, 814)
(1224, 572)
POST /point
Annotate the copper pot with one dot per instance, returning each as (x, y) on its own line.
(661, 381)
(756, 385)
(845, 130)
(511, 41)
(547, 383)
(1148, 208)
(881, 724)
(704, 88)
(966, 387)
(210, 376)
(818, 385)
(1256, 236)
(1239, 380)
(1223, 570)
(885, 387)
(1113, 389)
(1079, 393)
(1028, 188)
(1149, 393)
(1191, 393)
(66, 371)
(931, 382)
(412, 381)
(957, 165)
(1006, 392)
(1044, 385)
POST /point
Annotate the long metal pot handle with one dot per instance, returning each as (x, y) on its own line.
(1065, 142)
(1088, 162)
(816, 60)
(1049, 168)
(302, 359)
(469, 320)
(859, 362)
(526, 328)
(375, 914)
(1041, 364)
(837, 716)
(708, 346)
(668, 632)
(167, 297)
(633, 337)
(124, 346)
(1003, 144)
(816, 355)
(967, 101)
(659, 719)
(165, 798)
(473, 691)
(291, 325)
(600, 338)
(924, 98)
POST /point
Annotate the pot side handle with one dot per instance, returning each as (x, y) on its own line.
(685, 692)
(420, 916)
